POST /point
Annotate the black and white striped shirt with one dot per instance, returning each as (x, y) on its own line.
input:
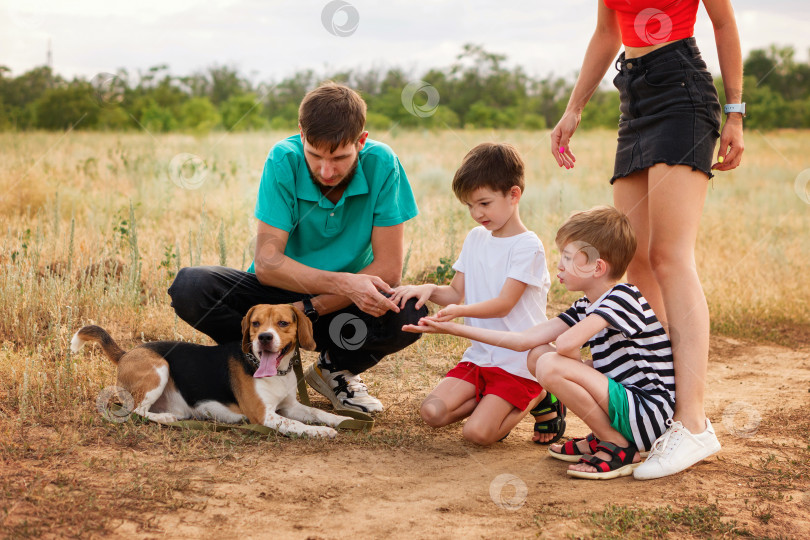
(633, 350)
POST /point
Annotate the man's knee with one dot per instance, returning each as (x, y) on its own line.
(407, 315)
(187, 288)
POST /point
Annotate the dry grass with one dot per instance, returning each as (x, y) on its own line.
(93, 228)
(66, 200)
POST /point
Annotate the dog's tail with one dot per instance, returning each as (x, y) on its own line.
(98, 335)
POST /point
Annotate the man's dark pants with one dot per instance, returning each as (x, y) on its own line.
(214, 299)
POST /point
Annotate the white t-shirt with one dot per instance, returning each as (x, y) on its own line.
(486, 262)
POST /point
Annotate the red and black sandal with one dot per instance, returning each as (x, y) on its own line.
(620, 464)
(570, 451)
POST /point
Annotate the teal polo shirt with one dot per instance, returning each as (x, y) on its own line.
(326, 236)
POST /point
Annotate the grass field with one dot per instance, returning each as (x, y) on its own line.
(94, 226)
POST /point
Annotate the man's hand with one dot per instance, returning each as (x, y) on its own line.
(364, 292)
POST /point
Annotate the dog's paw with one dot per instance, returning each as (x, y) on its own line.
(321, 432)
(162, 418)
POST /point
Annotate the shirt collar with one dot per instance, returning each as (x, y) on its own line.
(305, 188)
(593, 305)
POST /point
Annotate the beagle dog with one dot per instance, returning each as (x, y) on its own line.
(172, 380)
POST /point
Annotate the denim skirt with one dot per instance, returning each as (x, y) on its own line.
(670, 112)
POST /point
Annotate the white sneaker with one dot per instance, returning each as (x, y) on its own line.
(343, 388)
(676, 450)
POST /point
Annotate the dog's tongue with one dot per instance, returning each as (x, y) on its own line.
(268, 365)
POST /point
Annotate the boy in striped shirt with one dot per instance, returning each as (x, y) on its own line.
(626, 392)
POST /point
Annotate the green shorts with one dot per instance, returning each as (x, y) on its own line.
(619, 410)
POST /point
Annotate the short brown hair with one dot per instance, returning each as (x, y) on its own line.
(496, 166)
(332, 114)
(605, 229)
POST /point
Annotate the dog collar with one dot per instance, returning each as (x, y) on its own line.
(296, 359)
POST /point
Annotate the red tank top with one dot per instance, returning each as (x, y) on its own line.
(650, 22)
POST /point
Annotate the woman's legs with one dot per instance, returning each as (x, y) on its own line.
(664, 204)
(676, 198)
(630, 197)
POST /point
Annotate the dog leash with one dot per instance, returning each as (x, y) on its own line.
(359, 422)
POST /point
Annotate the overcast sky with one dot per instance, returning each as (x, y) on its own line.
(270, 39)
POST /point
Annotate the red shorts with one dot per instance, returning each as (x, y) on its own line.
(492, 380)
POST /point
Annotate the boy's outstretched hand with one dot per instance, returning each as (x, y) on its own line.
(450, 312)
(429, 325)
(404, 293)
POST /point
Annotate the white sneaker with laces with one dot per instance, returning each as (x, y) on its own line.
(676, 450)
(343, 388)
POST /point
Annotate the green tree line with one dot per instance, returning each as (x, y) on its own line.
(476, 91)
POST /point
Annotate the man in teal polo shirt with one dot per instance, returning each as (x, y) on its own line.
(331, 209)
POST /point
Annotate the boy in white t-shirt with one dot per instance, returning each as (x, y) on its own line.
(625, 392)
(502, 280)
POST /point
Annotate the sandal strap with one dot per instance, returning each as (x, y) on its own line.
(548, 404)
(570, 447)
(623, 455)
(549, 426)
(597, 463)
(619, 457)
(556, 425)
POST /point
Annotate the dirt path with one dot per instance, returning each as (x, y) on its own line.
(406, 481)
(446, 488)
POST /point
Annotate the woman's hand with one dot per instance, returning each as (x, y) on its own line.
(561, 139)
(731, 144)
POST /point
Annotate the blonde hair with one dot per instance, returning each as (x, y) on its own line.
(604, 229)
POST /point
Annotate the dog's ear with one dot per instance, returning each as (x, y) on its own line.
(305, 339)
(246, 331)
